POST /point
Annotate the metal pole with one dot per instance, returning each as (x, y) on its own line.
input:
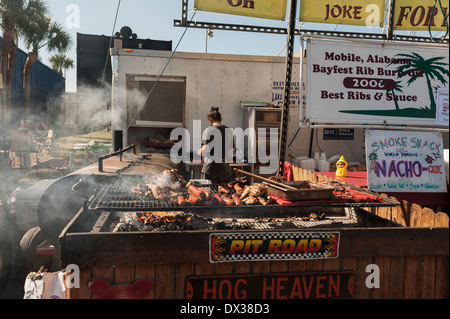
(287, 85)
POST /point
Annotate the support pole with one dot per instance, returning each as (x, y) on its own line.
(287, 85)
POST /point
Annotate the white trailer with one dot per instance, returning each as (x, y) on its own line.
(189, 84)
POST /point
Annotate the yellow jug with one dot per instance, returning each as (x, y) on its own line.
(341, 167)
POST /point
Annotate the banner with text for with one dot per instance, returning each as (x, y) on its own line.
(416, 15)
(267, 9)
(353, 12)
(405, 161)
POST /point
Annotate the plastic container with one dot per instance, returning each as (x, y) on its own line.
(323, 166)
(341, 167)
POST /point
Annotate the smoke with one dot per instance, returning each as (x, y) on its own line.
(93, 105)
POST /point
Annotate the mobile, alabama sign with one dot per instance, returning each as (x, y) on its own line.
(360, 82)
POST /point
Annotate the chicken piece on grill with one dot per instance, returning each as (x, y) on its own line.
(159, 192)
(222, 190)
(250, 200)
(265, 200)
(254, 190)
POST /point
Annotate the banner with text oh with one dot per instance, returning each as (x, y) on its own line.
(267, 9)
(352, 12)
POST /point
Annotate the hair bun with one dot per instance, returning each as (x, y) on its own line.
(214, 108)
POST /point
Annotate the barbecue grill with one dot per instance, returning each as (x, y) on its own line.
(123, 240)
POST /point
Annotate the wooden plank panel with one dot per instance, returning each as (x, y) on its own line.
(82, 292)
(105, 272)
(223, 268)
(428, 277)
(124, 274)
(204, 269)
(361, 290)
(396, 277)
(315, 265)
(441, 220)
(143, 272)
(260, 267)
(350, 263)
(442, 277)
(412, 277)
(427, 217)
(383, 263)
(164, 281)
(278, 266)
(406, 209)
(182, 271)
(331, 264)
(242, 267)
(415, 213)
(297, 265)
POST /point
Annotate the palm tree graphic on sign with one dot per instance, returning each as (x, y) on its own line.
(416, 69)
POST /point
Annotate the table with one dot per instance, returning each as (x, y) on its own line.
(359, 179)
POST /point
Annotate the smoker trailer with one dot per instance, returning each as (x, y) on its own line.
(127, 246)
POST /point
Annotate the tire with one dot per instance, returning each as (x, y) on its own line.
(5, 256)
(5, 263)
(29, 242)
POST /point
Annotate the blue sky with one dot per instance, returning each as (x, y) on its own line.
(153, 19)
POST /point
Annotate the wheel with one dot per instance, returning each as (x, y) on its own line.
(29, 242)
(5, 257)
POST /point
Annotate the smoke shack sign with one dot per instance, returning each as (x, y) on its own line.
(356, 82)
(228, 247)
(405, 161)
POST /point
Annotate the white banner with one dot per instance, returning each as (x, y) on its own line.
(369, 83)
(442, 107)
(405, 161)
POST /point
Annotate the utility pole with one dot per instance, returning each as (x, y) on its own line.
(287, 85)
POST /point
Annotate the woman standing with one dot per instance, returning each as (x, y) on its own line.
(217, 146)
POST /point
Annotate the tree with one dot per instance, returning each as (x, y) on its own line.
(13, 13)
(419, 67)
(398, 88)
(40, 31)
(61, 62)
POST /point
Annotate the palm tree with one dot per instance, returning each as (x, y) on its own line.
(13, 13)
(40, 31)
(419, 67)
(61, 62)
(398, 88)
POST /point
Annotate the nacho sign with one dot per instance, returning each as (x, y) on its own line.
(302, 285)
(228, 247)
(405, 161)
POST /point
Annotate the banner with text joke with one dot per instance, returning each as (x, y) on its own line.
(405, 161)
(267, 9)
(353, 12)
(358, 82)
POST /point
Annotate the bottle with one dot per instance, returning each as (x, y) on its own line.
(341, 167)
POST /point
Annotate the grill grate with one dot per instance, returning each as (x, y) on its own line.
(116, 197)
(113, 197)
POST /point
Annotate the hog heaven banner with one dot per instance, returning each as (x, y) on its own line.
(268, 9)
(351, 12)
(358, 82)
(405, 161)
